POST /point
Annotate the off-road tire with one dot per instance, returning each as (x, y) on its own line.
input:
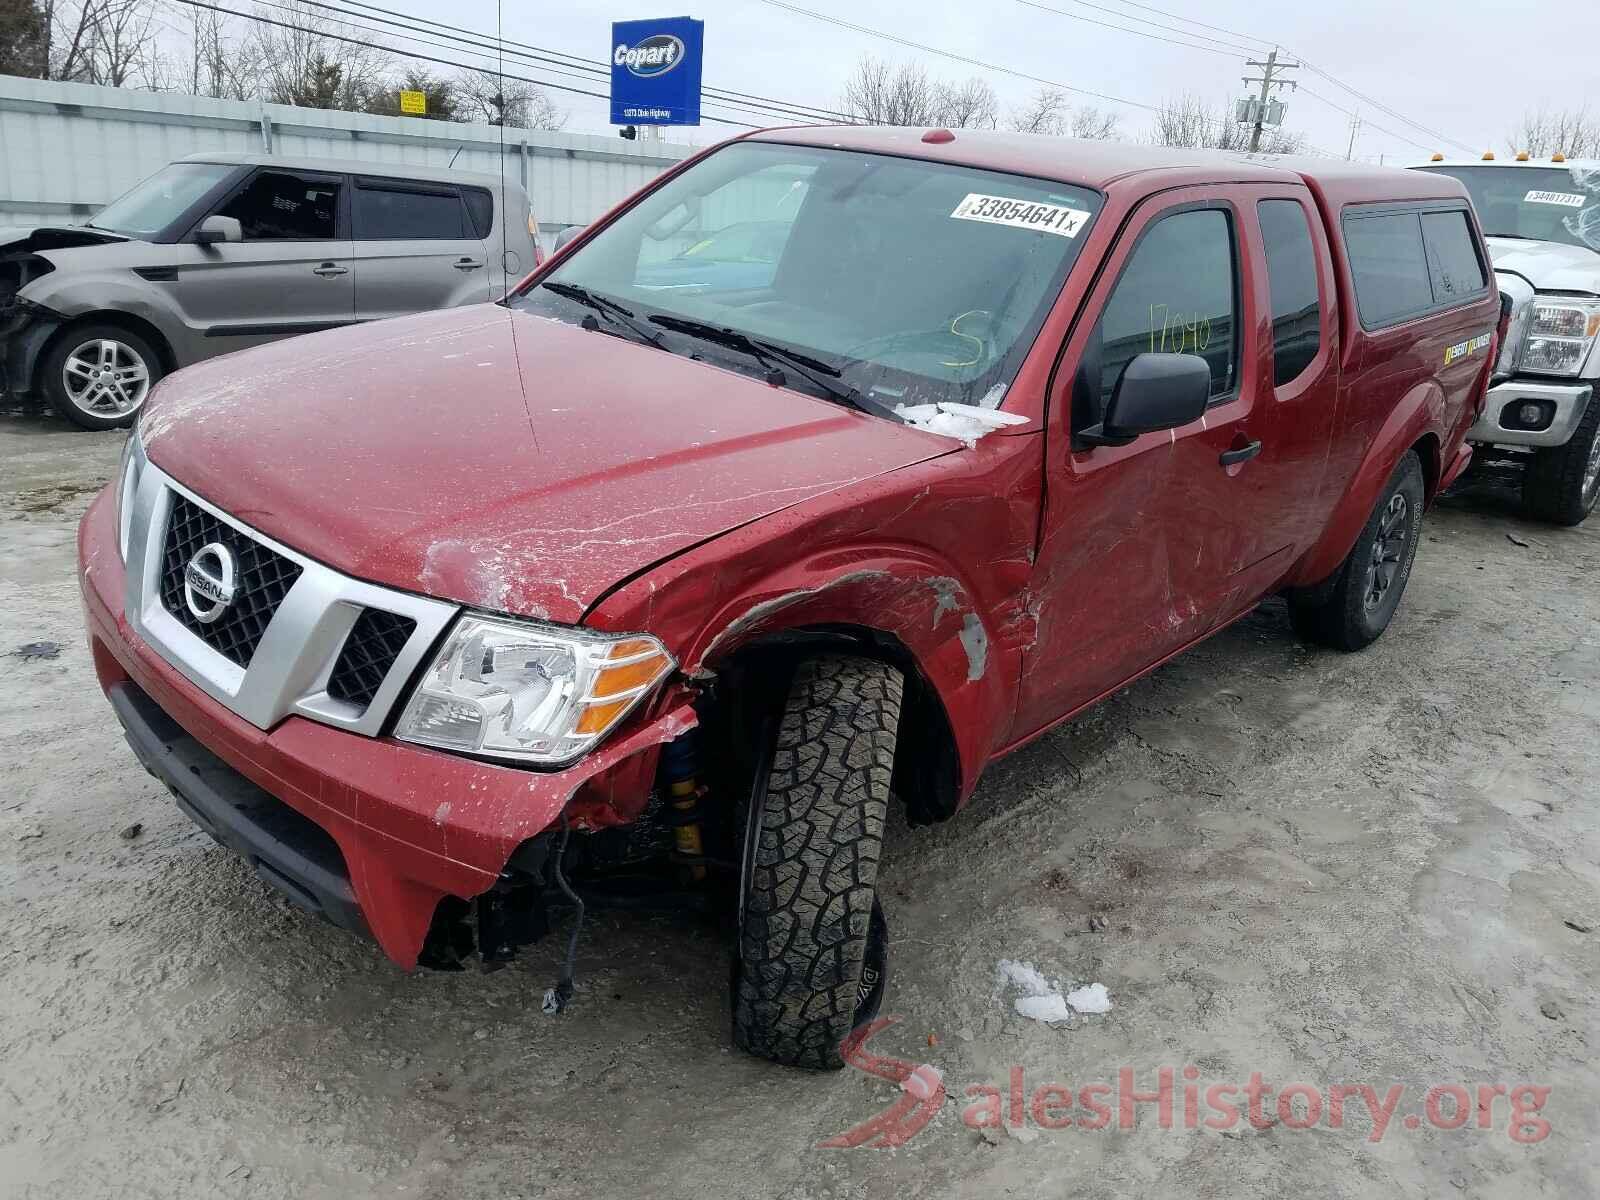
(1336, 613)
(813, 835)
(50, 385)
(1553, 488)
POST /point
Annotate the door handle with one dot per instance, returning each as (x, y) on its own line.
(329, 269)
(467, 264)
(1230, 458)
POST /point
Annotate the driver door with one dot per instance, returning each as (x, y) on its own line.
(1140, 541)
(293, 272)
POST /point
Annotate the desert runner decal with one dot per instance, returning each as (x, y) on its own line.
(1567, 199)
(1022, 214)
(1469, 347)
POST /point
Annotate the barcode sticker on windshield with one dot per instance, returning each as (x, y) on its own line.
(1023, 214)
(1570, 199)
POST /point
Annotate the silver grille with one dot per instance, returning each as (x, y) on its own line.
(291, 661)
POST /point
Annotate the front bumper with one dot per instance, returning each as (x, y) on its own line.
(411, 825)
(1570, 401)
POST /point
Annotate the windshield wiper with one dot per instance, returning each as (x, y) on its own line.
(813, 370)
(607, 308)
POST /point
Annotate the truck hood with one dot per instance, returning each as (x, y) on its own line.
(1548, 266)
(498, 459)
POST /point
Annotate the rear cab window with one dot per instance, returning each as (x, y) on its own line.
(1296, 296)
(1409, 261)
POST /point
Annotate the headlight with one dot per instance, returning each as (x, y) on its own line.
(128, 473)
(1560, 336)
(533, 693)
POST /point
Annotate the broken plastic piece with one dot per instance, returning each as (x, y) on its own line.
(964, 422)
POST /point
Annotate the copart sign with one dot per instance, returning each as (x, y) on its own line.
(655, 71)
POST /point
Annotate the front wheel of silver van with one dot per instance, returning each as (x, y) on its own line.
(1353, 609)
(98, 376)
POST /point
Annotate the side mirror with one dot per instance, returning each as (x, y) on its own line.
(567, 234)
(1154, 391)
(218, 229)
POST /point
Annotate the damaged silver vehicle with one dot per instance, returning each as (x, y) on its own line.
(219, 252)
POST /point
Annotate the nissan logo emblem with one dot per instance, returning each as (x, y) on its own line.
(208, 582)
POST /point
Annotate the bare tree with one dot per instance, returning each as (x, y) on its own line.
(969, 105)
(880, 93)
(1045, 112)
(490, 98)
(223, 64)
(1573, 132)
(24, 38)
(101, 41)
(303, 64)
(1191, 121)
(1090, 122)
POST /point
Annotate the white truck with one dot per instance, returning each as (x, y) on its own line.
(1542, 222)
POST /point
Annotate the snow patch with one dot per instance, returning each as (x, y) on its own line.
(964, 422)
(1091, 998)
(1041, 999)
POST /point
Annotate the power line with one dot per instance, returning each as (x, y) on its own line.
(562, 58)
(1350, 112)
(1310, 66)
(1231, 51)
(982, 65)
(489, 49)
(961, 58)
(1233, 33)
(446, 62)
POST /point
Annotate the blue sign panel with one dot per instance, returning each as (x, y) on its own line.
(655, 71)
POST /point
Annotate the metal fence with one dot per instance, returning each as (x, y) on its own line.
(66, 149)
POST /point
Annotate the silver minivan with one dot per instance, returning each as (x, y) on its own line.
(216, 252)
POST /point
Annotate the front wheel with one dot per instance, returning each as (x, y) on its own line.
(811, 954)
(1353, 609)
(1563, 482)
(98, 376)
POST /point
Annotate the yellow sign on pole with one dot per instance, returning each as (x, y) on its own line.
(415, 103)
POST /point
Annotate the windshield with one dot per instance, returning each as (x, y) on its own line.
(1549, 204)
(160, 200)
(899, 281)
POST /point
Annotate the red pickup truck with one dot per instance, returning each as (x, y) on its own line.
(645, 593)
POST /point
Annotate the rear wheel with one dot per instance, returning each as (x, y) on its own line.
(1354, 608)
(98, 376)
(811, 954)
(1563, 482)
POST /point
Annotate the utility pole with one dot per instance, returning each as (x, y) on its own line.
(1355, 128)
(1268, 80)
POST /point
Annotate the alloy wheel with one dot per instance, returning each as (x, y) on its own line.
(1388, 550)
(105, 378)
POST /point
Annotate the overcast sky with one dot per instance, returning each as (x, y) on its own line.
(1463, 71)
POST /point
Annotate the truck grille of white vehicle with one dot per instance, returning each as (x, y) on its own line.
(263, 579)
(295, 638)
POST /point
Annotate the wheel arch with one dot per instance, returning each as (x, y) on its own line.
(1410, 427)
(123, 320)
(927, 768)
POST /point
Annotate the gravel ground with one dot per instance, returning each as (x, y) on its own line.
(1375, 869)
